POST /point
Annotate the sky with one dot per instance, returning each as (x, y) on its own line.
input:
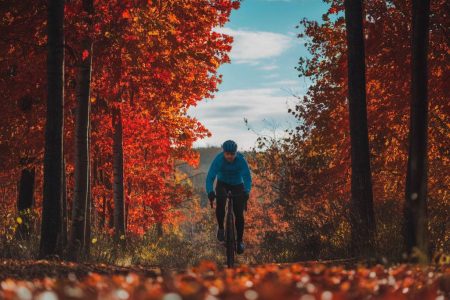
(259, 82)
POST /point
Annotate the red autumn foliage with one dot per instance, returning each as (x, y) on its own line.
(151, 60)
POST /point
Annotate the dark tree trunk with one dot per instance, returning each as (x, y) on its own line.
(80, 203)
(53, 156)
(64, 213)
(126, 214)
(25, 202)
(118, 185)
(416, 219)
(361, 209)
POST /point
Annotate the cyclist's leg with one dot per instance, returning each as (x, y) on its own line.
(220, 203)
(238, 207)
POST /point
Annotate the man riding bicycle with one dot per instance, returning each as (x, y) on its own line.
(233, 175)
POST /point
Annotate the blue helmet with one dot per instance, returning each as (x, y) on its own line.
(229, 146)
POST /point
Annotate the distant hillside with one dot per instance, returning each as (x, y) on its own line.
(198, 176)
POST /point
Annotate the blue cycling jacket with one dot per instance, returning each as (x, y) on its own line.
(231, 173)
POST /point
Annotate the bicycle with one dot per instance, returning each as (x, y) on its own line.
(230, 241)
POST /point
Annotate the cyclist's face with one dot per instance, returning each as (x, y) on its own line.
(229, 156)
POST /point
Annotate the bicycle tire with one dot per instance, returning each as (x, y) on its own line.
(230, 234)
(230, 241)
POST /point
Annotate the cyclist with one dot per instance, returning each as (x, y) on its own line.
(233, 175)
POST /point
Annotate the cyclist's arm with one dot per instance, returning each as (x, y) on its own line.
(246, 176)
(212, 173)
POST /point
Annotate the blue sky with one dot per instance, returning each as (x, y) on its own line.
(259, 81)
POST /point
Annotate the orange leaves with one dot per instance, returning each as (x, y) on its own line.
(162, 75)
(126, 14)
(206, 280)
(173, 18)
(153, 32)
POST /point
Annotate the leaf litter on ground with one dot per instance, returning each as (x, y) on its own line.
(51, 280)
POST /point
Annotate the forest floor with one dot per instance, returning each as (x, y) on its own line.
(50, 280)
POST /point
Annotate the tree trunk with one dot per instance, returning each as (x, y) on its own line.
(80, 202)
(87, 242)
(361, 208)
(127, 204)
(53, 156)
(416, 219)
(88, 213)
(118, 186)
(64, 213)
(25, 202)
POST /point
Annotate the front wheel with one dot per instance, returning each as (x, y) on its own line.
(230, 241)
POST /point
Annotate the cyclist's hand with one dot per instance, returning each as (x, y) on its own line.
(211, 197)
(246, 197)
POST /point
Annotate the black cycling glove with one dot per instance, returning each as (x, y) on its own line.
(246, 197)
(211, 197)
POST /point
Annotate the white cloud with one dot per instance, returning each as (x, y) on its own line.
(224, 115)
(287, 83)
(251, 47)
(271, 75)
(269, 67)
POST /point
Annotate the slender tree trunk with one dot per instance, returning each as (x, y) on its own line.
(53, 156)
(87, 243)
(88, 229)
(64, 214)
(361, 212)
(416, 216)
(118, 186)
(127, 204)
(25, 202)
(80, 203)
